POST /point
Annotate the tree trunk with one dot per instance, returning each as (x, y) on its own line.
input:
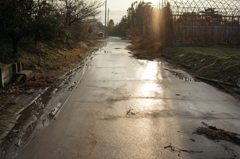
(14, 45)
(15, 39)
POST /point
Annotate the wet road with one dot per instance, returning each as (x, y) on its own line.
(129, 108)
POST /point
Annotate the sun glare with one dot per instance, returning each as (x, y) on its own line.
(156, 20)
(150, 71)
(149, 74)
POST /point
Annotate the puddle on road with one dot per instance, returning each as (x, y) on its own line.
(36, 107)
(26, 122)
(28, 119)
(67, 77)
(182, 76)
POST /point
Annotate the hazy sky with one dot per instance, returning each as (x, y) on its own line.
(118, 8)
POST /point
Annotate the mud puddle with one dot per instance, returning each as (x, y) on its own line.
(28, 119)
(42, 110)
(26, 123)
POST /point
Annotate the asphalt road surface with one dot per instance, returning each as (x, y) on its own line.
(125, 108)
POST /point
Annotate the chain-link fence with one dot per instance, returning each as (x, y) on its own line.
(205, 21)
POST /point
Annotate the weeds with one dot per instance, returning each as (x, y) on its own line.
(218, 61)
(233, 57)
(146, 48)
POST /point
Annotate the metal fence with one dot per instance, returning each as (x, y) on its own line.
(205, 21)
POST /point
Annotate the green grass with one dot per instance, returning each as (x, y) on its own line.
(218, 61)
(233, 57)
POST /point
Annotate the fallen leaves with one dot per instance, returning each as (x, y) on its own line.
(34, 82)
(39, 81)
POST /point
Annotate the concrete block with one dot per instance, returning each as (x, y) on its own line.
(19, 67)
(1, 78)
(8, 74)
(26, 73)
(8, 71)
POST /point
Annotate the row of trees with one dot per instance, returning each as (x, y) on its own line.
(44, 20)
(143, 19)
(134, 21)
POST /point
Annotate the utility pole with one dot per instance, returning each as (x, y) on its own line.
(105, 19)
(107, 22)
(108, 15)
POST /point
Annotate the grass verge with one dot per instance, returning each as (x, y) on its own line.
(216, 62)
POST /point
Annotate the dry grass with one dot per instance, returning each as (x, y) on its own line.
(215, 62)
(55, 58)
(231, 52)
(217, 134)
(146, 48)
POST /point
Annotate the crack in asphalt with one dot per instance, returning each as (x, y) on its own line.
(94, 139)
(231, 152)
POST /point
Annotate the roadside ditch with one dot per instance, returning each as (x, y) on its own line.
(221, 72)
(37, 109)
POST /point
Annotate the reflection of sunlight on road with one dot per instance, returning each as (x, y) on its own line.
(149, 71)
(149, 89)
(144, 134)
(149, 105)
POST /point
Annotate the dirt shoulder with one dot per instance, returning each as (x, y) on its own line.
(51, 63)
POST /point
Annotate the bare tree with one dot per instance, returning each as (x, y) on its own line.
(77, 10)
